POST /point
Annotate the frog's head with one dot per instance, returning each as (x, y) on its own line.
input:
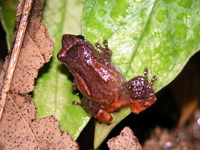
(68, 41)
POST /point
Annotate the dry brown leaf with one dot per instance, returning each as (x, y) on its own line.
(14, 55)
(20, 130)
(18, 127)
(36, 50)
(33, 55)
(125, 141)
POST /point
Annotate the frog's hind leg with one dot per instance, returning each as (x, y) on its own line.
(141, 92)
(106, 52)
(103, 116)
(94, 109)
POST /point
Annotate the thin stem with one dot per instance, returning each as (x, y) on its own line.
(15, 53)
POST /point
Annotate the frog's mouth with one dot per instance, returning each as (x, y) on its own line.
(61, 55)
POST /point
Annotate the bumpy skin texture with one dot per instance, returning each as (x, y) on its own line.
(100, 82)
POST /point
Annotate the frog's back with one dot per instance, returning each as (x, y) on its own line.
(96, 80)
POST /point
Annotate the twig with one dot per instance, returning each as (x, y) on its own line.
(15, 53)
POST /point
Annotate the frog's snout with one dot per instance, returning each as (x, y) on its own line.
(61, 55)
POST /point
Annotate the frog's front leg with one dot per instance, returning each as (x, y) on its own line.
(74, 86)
(105, 52)
(94, 109)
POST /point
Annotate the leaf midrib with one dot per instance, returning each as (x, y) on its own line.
(140, 39)
(58, 71)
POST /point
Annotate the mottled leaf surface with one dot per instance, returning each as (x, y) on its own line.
(155, 34)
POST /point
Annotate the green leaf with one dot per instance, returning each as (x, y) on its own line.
(8, 15)
(160, 35)
(53, 93)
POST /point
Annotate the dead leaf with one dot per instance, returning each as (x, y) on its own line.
(36, 50)
(19, 129)
(33, 55)
(14, 132)
(125, 141)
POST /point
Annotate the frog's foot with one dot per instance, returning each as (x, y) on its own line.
(107, 53)
(105, 49)
(94, 109)
(146, 78)
(140, 92)
(139, 105)
(103, 116)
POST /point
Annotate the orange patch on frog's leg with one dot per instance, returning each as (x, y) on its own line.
(138, 105)
(116, 105)
(103, 116)
(82, 85)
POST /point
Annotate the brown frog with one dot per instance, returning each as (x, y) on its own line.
(101, 84)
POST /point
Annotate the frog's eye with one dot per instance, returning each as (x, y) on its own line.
(80, 37)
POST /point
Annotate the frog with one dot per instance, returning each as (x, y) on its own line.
(101, 84)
